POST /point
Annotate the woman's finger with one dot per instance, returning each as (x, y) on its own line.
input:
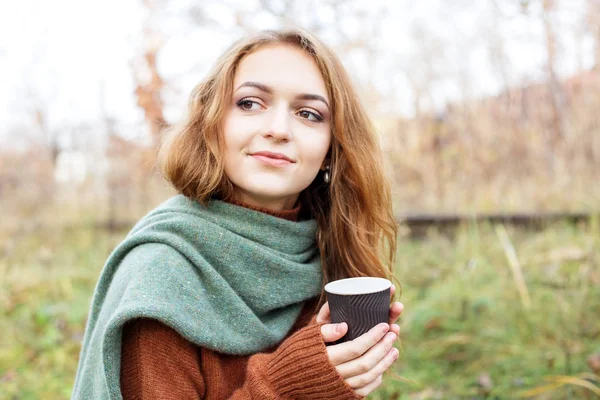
(324, 317)
(369, 376)
(395, 311)
(366, 390)
(362, 365)
(333, 332)
(343, 352)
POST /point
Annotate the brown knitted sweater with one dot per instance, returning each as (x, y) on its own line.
(158, 363)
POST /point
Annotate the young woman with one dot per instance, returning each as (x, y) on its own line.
(218, 292)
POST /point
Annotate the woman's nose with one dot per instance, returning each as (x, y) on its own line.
(278, 124)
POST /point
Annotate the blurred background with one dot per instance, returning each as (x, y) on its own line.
(484, 109)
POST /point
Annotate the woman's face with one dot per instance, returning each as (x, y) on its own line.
(277, 127)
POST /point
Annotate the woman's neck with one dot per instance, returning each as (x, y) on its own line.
(265, 203)
(290, 215)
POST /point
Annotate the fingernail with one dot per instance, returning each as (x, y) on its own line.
(384, 328)
(339, 328)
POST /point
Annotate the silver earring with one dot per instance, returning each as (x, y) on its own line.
(327, 176)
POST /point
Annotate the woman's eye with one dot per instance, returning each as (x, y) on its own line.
(247, 105)
(307, 115)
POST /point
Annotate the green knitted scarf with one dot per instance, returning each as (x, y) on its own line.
(224, 276)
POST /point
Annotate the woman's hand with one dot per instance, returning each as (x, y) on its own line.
(362, 361)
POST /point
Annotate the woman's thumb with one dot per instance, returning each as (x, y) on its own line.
(333, 332)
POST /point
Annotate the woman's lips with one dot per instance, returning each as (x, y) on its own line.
(274, 162)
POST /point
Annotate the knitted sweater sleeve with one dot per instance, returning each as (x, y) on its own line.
(298, 369)
(158, 363)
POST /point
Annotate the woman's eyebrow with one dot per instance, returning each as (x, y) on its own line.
(269, 90)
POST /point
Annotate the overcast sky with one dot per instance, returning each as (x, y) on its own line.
(72, 55)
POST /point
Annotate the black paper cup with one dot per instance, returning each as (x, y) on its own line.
(362, 303)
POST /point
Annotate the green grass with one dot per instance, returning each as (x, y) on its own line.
(45, 290)
(464, 317)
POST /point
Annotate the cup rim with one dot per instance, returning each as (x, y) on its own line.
(343, 287)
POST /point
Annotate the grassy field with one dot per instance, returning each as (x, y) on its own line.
(490, 313)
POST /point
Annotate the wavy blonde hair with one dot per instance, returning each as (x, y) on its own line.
(356, 226)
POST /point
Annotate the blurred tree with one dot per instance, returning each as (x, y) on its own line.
(149, 81)
(593, 25)
(556, 97)
(496, 48)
